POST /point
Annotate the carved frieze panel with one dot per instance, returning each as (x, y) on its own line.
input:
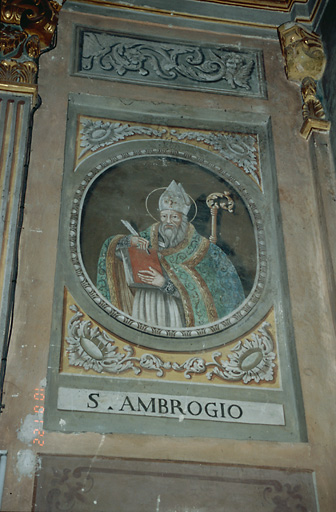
(213, 68)
(166, 307)
(80, 484)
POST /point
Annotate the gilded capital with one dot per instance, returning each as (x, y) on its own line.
(305, 62)
(26, 28)
(303, 52)
(34, 17)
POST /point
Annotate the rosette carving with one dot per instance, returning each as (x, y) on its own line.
(98, 134)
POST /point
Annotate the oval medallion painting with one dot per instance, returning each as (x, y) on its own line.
(168, 245)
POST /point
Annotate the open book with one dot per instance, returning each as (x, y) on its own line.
(134, 260)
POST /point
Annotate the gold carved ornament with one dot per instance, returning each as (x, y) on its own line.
(18, 72)
(35, 17)
(305, 63)
(26, 29)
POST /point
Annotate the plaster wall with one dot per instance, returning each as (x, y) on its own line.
(305, 240)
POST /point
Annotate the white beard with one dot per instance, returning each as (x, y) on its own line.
(174, 235)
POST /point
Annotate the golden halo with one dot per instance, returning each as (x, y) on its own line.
(165, 188)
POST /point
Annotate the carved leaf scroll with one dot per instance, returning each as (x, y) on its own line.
(93, 349)
(97, 134)
(167, 61)
(114, 57)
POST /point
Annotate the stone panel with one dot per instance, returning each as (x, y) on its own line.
(83, 484)
(221, 69)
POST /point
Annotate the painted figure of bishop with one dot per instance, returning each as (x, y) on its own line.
(169, 275)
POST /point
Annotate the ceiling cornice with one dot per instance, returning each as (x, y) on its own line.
(274, 5)
(246, 17)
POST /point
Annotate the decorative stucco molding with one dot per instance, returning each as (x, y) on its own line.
(305, 62)
(220, 69)
(92, 348)
(240, 149)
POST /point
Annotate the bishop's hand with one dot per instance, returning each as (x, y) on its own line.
(139, 243)
(152, 277)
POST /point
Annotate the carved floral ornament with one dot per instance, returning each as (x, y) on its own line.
(26, 28)
(92, 348)
(304, 64)
(240, 149)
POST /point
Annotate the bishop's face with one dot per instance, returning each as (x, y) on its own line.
(172, 228)
(170, 219)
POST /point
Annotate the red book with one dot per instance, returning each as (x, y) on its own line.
(135, 260)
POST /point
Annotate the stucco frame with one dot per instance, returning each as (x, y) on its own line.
(273, 295)
(145, 334)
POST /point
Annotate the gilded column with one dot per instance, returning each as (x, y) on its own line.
(27, 28)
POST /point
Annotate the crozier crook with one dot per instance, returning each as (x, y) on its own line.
(215, 201)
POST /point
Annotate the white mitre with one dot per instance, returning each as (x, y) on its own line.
(175, 198)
